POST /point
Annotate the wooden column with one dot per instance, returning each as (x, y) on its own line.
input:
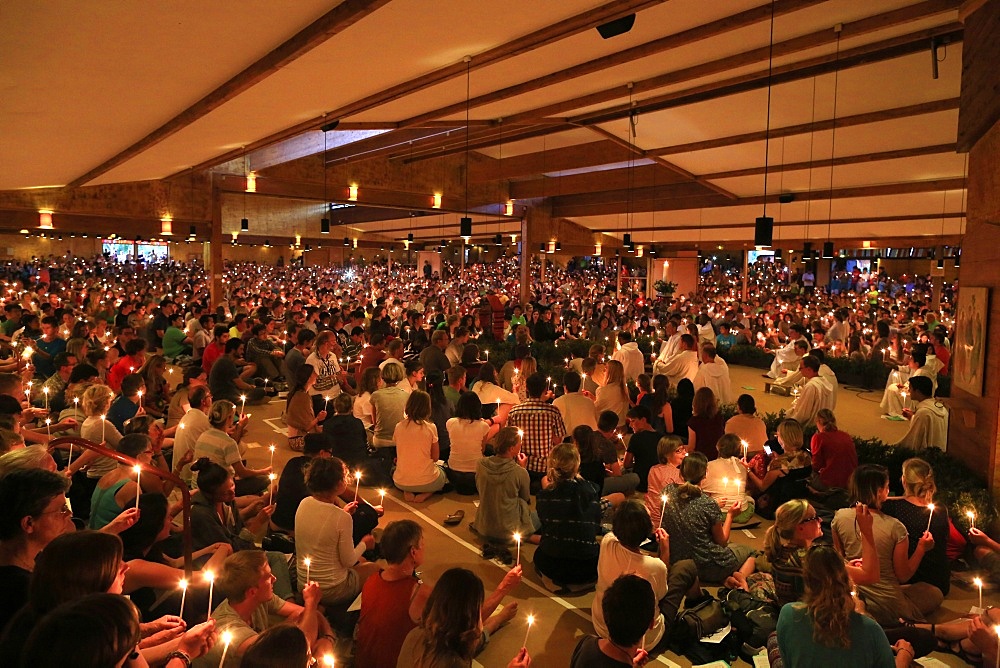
(618, 276)
(525, 264)
(746, 270)
(215, 266)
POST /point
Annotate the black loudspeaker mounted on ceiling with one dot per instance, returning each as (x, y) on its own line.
(806, 252)
(465, 227)
(626, 239)
(409, 237)
(777, 253)
(347, 242)
(324, 226)
(827, 250)
(652, 251)
(244, 225)
(763, 231)
(498, 239)
(332, 125)
(616, 27)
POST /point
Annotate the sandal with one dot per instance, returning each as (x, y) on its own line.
(455, 518)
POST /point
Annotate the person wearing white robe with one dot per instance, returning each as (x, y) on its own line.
(714, 374)
(682, 365)
(825, 372)
(892, 399)
(630, 356)
(816, 394)
(929, 422)
(672, 344)
(787, 358)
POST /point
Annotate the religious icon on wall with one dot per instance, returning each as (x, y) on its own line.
(969, 343)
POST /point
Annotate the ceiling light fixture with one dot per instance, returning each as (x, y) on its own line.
(465, 223)
(828, 245)
(324, 222)
(763, 228)
(45, 219)
(166, 225)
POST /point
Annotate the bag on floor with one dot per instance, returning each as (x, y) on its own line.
(753, 619)
(703, 619)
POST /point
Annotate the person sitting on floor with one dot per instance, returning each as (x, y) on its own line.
(504, 496)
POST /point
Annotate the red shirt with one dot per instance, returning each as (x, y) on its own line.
(370, 356)
(124, 367)
(944, 356)
(212, 352)
(834, 457)
(384, 622)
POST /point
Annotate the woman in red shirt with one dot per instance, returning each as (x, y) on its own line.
(834, 457)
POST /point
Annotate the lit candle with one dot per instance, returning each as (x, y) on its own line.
(996, 629)
(357, 485)
(227, 637)
(487, 353)
(243, 398)
(45, 391)
(517, 538)
(308, 562)
(968, 513)
(979, 583)
(138, 488)
(271, 448)
(271, 485)
(930, 516)
(328, 660)
(531, 620)
(104, 423)
(326, 401)
(76, 404)
(48, 427)
(210, 576)
(140, 398)
(663, 509)
(184, 592)
(381, 500)
(746, 447)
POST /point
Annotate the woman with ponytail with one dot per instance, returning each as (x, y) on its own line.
(825, 630)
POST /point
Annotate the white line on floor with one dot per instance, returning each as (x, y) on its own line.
(472, 548)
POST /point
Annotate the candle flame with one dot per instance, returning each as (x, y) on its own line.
(970, 514)
(930, 507)
(357, 474)
(517, 537)
(227, 637)
(663, 497)
(208, 575)
(531, 620)
(183, 584)
(328, 660)
(978, 582)
(137, 469)
(307, 561)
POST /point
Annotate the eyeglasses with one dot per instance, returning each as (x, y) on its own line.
(65, 511)
(814, 518)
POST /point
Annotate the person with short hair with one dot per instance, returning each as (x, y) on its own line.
(714, 374)
(816, 394)
(641, 451)
(670, 452)
(929, 422)
(747, 426)
(33, 511)
(620, 555)
(220, 444)
(629, 608)
(575, 407)
(541, 424)
(251, 603)
(631, 358)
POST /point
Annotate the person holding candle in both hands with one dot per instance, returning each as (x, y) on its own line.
(220, 444)
(299, 411)
(324, 532)
(251, 604)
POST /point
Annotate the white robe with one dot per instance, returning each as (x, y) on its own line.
(682, 365)
(715, 376)
(632, 360)
(928, 426)
(796, 378)
(786, 358)
(816, 394)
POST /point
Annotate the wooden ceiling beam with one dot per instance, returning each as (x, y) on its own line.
(674, 41)
(906, 111)
(547, 35)
(836, 162)
(813, 40)
(867, 54)
(783, 223)
(338, 19)
(643, 200)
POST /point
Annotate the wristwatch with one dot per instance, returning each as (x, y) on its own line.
(178, 654)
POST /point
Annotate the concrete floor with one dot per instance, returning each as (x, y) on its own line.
(560, 621)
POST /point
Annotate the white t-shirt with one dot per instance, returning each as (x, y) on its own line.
(324, 533)
(466, 443)
(363, 408)
(615, 561)
(414, 466)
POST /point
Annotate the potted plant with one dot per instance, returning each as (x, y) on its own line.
(665, 287)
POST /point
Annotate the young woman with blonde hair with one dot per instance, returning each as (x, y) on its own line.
(613, 395)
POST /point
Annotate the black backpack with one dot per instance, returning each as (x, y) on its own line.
(753, 620)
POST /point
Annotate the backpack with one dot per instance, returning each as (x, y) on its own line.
(752, 619)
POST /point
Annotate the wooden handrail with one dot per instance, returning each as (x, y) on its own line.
(159, 473)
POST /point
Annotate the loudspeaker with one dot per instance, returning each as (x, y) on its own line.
(763, 231)
(616, 27)
(828, 250)
(244, 225)
(324, 226)
(627, 240)
(332, 125)
(465, 227)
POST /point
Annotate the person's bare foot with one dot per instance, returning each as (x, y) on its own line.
(508, 613)
(418, 498)
(409, 496)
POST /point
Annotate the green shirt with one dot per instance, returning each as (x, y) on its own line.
(173, 342)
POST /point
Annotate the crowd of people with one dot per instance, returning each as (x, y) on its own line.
(619, 468)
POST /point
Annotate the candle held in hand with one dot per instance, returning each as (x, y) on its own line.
(663, 508)
(210, 576)
(183, 584)
(308, 562)
(531, 620)
(227, 638)
(517, 539)
(930, 516)
(138, 488)
(357, 486)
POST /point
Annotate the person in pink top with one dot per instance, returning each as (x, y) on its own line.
(671, 452)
